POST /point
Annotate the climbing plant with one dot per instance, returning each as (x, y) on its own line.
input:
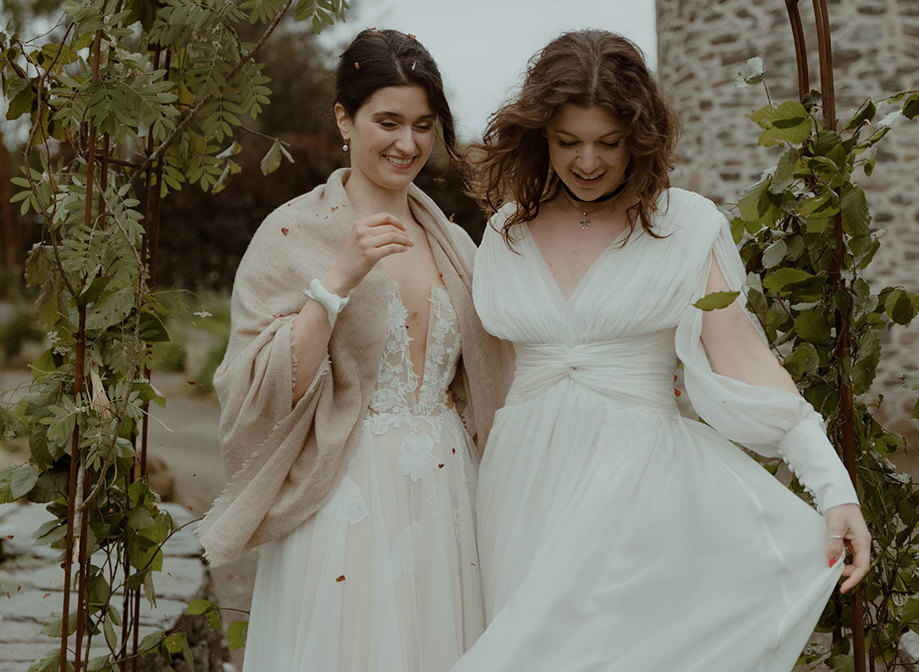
(127, 100)
(808, 244)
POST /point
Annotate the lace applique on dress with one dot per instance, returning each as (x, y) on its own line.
(393, 403)
(348, 499)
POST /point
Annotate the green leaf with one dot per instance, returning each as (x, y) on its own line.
(812, 326)
(855, 216)
(901, 306)
(21, 104)
(199, 606)
(152, 329)
(865, 114)
(22, 479)
(236, 634)
(774, 254)
(272, 159)
(910, 108)
(802, 361)
(865, 367)
(910, 612)
(781, 278)
(716, 300)
(175, 642)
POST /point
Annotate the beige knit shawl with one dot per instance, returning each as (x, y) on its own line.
(283, 459)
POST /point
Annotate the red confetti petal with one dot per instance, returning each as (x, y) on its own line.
(677, 392)
(454, 451)
(284, 230)
(333, 208)
(340, 579)
(675, 377)
(192, 382)
(440, 466)
(46, 595)
(10, 536)
(277, 315)
(410, 36)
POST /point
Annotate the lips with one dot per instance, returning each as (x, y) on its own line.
(587, 181)
(398, 162)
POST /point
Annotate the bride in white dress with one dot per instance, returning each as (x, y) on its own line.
(356, 479)
(614, 534)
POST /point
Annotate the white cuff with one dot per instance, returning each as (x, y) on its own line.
(333, 303)
(811, 457)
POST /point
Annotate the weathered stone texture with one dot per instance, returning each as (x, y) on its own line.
(701, 48)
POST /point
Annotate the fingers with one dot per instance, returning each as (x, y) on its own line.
(846, 531)
(856, 570)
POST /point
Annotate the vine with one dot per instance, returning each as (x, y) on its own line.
(127, 100)
(807, 285)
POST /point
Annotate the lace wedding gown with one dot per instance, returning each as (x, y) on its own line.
(614, 534)
(385, 577)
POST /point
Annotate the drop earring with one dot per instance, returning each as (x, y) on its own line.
(344, 147)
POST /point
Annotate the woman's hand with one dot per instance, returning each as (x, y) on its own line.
(371, 239)
(846, 529)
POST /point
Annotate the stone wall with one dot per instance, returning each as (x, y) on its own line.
(701, 47)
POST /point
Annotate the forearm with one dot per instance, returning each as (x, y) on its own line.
(311, 332)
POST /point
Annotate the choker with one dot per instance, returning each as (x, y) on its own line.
(576, 203)
(602, 199)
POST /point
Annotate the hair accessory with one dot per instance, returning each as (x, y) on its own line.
(333, 303)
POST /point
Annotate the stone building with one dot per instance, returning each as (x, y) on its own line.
(702, 45)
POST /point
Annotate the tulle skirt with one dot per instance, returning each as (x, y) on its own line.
(385, 577)
(618, 539)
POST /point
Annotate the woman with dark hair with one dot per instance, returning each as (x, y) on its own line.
(356, 380)
(615, 534)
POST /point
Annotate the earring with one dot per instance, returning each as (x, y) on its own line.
(344, 147)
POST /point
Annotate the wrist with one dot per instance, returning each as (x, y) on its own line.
(332, 302)
(336, 283)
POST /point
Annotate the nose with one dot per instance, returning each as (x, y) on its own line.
(405, 142)
(588, 160)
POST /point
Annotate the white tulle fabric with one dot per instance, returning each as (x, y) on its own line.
(385, 577)
(614, 534)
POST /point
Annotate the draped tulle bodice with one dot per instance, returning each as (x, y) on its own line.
(634, 371)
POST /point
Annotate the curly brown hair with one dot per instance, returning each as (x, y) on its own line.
(585, 68)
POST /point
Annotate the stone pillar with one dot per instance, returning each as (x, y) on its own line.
(701, 47)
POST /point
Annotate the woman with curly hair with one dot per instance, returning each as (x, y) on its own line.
(614, 534)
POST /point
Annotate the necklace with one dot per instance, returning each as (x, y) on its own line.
(575, 202)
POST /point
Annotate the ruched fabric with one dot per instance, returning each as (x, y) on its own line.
(614, 534)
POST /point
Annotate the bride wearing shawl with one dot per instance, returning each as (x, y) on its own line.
(357, 384)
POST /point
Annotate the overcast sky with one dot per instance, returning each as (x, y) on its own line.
(482, 46)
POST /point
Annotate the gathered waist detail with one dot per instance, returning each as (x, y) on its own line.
(636, 372)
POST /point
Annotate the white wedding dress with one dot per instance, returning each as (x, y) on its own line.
(615, 535)
(384, 578)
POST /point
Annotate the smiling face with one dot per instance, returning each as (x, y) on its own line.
(587, 150)
(390, 136)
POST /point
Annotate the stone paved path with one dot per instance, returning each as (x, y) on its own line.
(31, 585)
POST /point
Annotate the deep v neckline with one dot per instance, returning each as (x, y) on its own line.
(549, 279)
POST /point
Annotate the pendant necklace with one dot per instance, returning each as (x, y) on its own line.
(578, 203)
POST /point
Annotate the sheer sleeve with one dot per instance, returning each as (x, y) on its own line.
(770, 421)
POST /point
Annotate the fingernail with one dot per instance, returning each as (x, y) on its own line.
(832, 562)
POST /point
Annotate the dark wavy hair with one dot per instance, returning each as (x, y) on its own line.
(376, 59)
(584, 68)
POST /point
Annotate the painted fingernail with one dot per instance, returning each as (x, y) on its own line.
(832, 562)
